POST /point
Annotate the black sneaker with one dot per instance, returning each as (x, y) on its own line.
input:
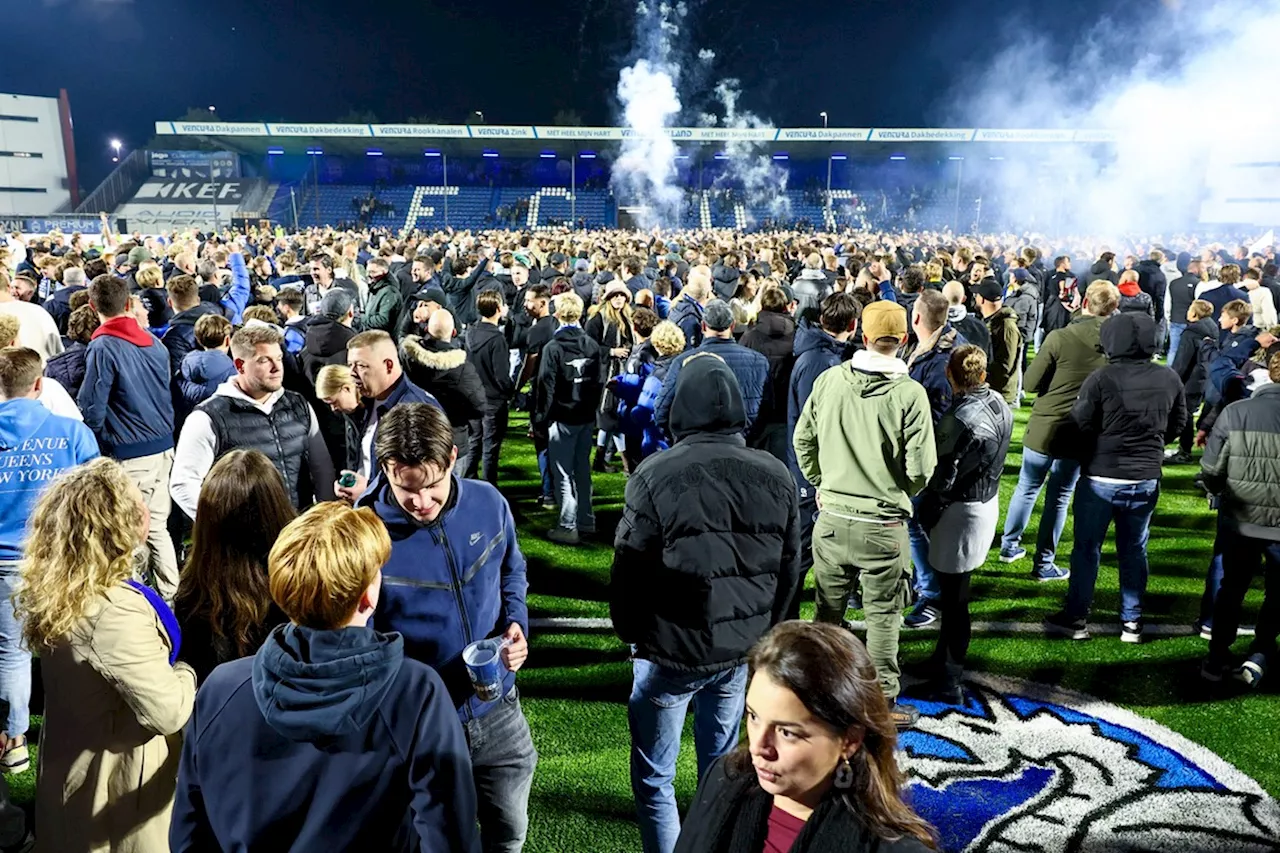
(1214, 671)
(904, 716)
(924, 613)
(940, 690)
(1062, 625)
(1178, 458)
(1131, 632)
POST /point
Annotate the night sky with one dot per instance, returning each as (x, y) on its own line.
(128, 63)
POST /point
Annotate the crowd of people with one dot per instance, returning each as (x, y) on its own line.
(253, 523)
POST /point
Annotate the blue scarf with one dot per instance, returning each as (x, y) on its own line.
(167, 620)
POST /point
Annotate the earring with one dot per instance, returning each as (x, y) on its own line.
(844, 774)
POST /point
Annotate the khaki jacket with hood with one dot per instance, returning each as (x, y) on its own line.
(865, 438)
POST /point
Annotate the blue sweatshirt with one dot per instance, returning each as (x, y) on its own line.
(449, 583)
(324, 740)
(35, 446)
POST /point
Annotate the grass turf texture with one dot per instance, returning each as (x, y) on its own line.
(575, 685)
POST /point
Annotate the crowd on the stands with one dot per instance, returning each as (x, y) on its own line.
(251, 509)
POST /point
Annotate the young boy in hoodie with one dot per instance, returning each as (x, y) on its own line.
(35, 446)
(329, 738)
(208, 366)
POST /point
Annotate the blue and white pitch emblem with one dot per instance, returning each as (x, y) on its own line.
(1027, 767)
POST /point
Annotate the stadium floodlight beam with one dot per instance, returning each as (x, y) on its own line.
(955, 158)
(489, 154)
(548, 155)
(897, 156)
(117, 145)
(782, 155)
(271, 151)
(373, 152)
(587, 155)
(839, 156)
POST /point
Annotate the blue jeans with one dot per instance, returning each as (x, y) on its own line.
(502, 763)
(1130, 506)
(925, 583)
(1175, 335)
(15, 660)
(1062, 475)
(659, 698)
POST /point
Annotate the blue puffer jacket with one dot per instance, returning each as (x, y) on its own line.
(68, 367)
(201, 373)
(458, 579)
(637, 395)
(749, 367)
(687, 314)
(815, 352)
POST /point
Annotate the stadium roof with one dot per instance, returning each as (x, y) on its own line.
(529, 140)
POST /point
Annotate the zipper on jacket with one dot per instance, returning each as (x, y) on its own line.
(457, 584)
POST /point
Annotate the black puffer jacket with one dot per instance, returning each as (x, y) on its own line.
(773, 336)
(707, 554)
(442, 370)
(1187, 363)
(973, 439)
(1242, 464)
(1129, 410)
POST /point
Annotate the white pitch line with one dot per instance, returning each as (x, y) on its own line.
(576, 623)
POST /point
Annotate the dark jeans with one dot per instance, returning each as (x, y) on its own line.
(808, 514)
(1241, 557)
(502, 763)
(1097, 505)
(952, 648)
(1212, 578)
(772, 439)
(486, 443)
(1187, 438)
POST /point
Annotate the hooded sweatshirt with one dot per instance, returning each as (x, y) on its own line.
(35, 446)
(1130, 409)
(875, 477)
(324, 740)
(125, 396)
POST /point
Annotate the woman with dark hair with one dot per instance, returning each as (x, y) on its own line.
(223, 604)
(818, 774)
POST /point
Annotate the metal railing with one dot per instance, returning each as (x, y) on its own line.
(120, 185)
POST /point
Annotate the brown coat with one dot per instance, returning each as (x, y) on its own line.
(114, 713)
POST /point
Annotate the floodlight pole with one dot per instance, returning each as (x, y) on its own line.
(959, 175)
(573, 192)
(444, 164)
(830, 212)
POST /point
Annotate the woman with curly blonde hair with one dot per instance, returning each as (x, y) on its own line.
(115, 703)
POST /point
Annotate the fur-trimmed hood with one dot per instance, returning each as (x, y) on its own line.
(428, 352)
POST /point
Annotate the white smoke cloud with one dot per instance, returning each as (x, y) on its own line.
(1173, 86)
(647, 89)
(750, 168)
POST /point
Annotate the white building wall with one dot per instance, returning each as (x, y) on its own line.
(33, 162)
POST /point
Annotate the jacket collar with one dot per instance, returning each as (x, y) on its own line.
(126, 328)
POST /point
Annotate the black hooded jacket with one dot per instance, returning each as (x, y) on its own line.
(326, 343)
(707, 554)
(1187, 362)
(442, 370)
(1130, 409)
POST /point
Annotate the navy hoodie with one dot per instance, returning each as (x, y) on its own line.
(815, 351)
(458, 579)
(324, 740)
